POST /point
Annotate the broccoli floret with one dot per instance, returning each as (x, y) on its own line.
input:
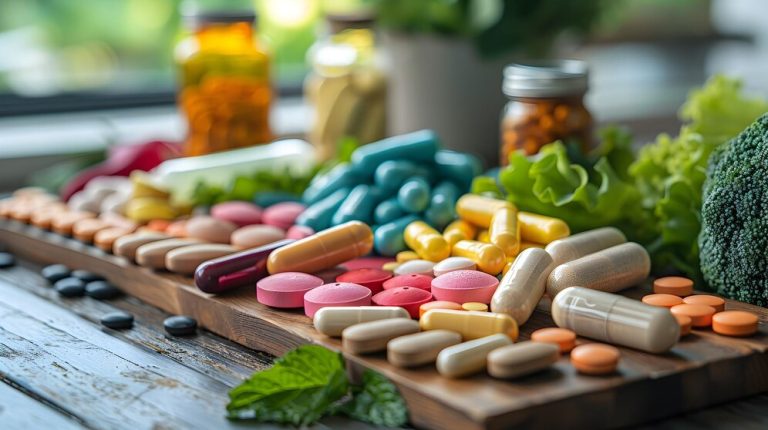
(734, 233)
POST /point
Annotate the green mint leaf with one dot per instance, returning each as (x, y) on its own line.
(377, 402)
(298, 389)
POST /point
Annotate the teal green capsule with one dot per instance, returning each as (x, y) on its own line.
(319, 215)
(458, 167)
(390, 175)
(269, 198)
(442, 205)
(358, 206)
(419, 146)
(387, 211)
(413, 196)
(388, 238)
(341, 176)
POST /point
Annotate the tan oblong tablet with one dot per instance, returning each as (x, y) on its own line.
(42, 217)
(469, 357)
(373, 336)
(105, 239)
(153, 254)
(616, 319)
(610, 270)
(420, 348)
(185, 260)
(63, 224)
(332, 320)
(85, 230)
(127, 245)
(520, 359)
(584, 243)
(522, 287)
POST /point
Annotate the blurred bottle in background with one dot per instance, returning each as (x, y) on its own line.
(224, 79)
(346, 86)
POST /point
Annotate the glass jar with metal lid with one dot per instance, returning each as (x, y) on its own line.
(546, 103)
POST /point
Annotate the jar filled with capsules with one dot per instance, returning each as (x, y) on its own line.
(546, 103)
(224, 81)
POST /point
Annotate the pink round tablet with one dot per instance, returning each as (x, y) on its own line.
(463, 286)
(407, 298)
(415, 280)
(335, 294)
(285, 290)
(367, 263)
(283, 214)
(240, 213)
(369, 278)
(299, 232)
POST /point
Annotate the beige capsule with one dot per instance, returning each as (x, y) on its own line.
(584, 243)
(520, 359)
(612, 269)
(185, 260)
(127, 245)
(373, 336)
(469, 357)
(420, 348)
(332, 320)
(522, 287)
(153, 254)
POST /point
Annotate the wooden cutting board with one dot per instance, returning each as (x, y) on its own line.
(702, 370)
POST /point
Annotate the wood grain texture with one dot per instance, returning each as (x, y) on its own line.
(703, 369)
(19, 411)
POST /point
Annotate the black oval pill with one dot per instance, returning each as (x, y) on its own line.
(101, 290)
(70, 287)
(7, 260)
(180, 325)
(86, 276)
(55, 272)
(117, 320)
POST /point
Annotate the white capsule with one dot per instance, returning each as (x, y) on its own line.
(331, 321)
(523, 286)
(469, 357)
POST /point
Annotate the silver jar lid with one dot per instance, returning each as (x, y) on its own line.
(551, 78)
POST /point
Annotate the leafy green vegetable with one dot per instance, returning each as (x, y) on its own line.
(734, 234)
(297, 390)
(377, 402)
(310, 382)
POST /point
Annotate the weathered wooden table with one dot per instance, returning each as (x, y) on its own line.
(60, 369)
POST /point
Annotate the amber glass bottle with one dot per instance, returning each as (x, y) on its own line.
(546, 103)
(225, 90)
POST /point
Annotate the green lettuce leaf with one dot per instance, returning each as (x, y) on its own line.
(298, 389)
(377, 402)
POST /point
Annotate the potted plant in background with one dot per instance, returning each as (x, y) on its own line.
(447, 56)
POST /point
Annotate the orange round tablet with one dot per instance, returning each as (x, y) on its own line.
(735, 323)
(706, 299)
(158, 225)
(85, 229)
(177, 228)
(701, 315)
(63, 224)
(105, 239)
(562, 337)
(675, 285)
(662, 300)
(595, 358)
(439, 304)
(685, 324)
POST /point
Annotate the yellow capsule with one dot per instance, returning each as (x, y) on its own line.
(483, 236)
(404, 256)
(478, 209)
(469, 324)
(488, 257)
(475, 306)
(504, 231)
(391, 266)
(459, 230)
(540, 228)
(426, 241)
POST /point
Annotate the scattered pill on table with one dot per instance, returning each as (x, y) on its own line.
(373, 336)
(286, 290)
(662, 300)
(180, 325)
(701, 315)
(7, 260)
(463, 286)
(101, 290)
(521, 359)
(735, 323)
(408, 298)
(86, 276)
(331, 321)
(55, 272)
(469, 357)
(565, 339)
(70, 287)
(117, 320)
(420, 348)
(335, 294)
(471, 325)
(373, 279)
(675, 285)
(705, 299)
(595, 359)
